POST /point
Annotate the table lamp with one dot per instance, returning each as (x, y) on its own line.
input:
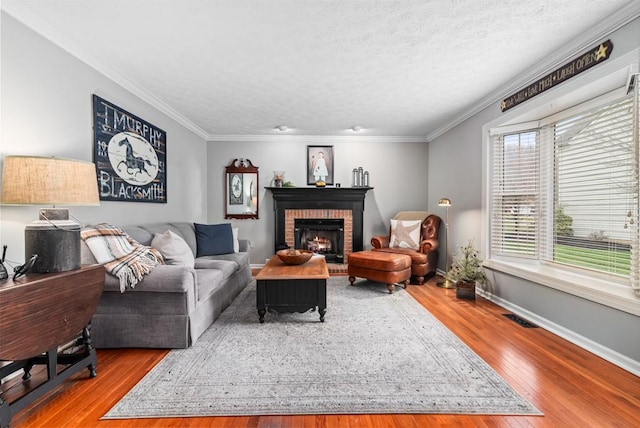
(34, 180)
(446, 202)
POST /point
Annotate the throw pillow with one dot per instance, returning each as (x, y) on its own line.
(173, 248)
(405, 234)
(213, 239)
(236, 243)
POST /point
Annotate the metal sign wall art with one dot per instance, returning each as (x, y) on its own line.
(130, 155)
(574, 67)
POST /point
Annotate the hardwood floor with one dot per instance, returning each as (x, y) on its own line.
(572, 387)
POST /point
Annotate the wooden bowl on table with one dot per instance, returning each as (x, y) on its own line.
(294, 257)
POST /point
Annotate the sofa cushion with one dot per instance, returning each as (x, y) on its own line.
(210, 281)
(162, 279)
(405, 234)
(227, 267)
(240, 259)
(173, 248)
(213, 239)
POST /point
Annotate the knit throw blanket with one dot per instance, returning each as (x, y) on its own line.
(121, 255)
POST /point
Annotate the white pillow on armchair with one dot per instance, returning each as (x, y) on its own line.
(405, 234)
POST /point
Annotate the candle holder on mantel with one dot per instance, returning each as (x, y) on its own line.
(360, 177)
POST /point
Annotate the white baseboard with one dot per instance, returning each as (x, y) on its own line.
(608, 354)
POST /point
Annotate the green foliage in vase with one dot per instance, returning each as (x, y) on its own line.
(467, 266)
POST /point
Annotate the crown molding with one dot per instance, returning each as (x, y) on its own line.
(314, 139)
(25, 14)
(598, 32)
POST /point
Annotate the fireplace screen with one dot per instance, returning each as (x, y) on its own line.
(322, 236)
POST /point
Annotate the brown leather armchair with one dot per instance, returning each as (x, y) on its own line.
(424, 260)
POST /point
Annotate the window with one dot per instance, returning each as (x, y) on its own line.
(565, 192)
(515, 195)
(593, 189)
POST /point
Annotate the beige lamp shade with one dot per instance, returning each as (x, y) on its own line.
(34, 180)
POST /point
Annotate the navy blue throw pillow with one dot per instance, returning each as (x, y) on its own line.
(213, 239)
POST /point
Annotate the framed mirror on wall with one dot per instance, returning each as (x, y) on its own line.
(241, 189)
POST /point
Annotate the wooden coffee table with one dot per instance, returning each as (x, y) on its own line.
(292, 288)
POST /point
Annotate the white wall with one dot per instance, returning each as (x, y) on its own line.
(398, 175)
(46, 109)
(456, 171)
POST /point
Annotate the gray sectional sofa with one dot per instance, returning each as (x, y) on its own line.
(172, 305)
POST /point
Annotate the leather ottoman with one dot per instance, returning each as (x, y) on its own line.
(378, 266)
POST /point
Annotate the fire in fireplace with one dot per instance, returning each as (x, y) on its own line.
(322, 236)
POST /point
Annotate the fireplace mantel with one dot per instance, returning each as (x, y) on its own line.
(327, 194)
(336, 198)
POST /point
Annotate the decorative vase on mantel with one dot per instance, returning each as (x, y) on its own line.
(278, 179)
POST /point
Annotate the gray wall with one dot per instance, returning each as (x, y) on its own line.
(456, 170)
(398, 175)
(46, 109)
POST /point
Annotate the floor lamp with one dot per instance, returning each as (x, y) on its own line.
(446, 202)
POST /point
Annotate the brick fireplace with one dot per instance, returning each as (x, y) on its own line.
(313, 203)
(328, 232)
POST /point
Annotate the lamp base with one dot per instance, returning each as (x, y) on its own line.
(446, 284)
(56, 241)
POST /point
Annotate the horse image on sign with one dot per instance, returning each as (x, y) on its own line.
(133, 158)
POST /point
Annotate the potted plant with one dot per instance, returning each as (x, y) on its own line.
(466, 270)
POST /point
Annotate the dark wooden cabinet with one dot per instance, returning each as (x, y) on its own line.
(297, 295)
(39, 314)
(292, 288)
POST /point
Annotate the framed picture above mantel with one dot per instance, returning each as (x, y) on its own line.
(320, 165)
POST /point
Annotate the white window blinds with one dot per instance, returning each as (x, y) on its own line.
(515, 192)
(567, 192)
(593, 188)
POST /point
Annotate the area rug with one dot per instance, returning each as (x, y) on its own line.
(375, 353)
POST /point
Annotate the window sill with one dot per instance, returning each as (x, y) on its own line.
(598, 290)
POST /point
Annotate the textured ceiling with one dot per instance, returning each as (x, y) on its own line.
(397, 68)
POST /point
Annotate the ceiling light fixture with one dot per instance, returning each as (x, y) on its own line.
(356, 128)
(281, 128)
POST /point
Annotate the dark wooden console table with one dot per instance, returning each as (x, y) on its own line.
(39, 314)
